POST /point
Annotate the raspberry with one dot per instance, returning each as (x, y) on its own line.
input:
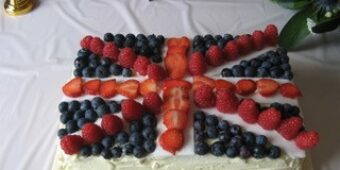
(156, 72)
(271, 35)
(111, 124)
(204, 96)
(307, 139)
(152, 102)
(111, 51)
(290, 128)
(231, 50)
(258, 38)
(245, 44)
(214, 56)
(85, 42)
(141, 65)
(71, 144)
(131, 110)
(269, 119)
(197, 65)
(91, 133)
(226, 101)
(97, 45)
(127, 57)
(248, 110)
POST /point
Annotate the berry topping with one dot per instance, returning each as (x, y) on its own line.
(197, 65)
(111, 124)
(86, 41)
(271, 35)
(156, 72)
(204, 97)
(245, 87)
(307, 139)
(290, 90)
(172, 140)
(269, 119)
(141, 65)
(71, 144)
(267, 87)
(248, 110)
(91, 87)
(73, 88)
(111, 51)
(97, 45)
(289, 128)
(175, 119)
(226, 101)
(129, 88)
(152, 102)
(147, 86)
(91, 133)
(131, 110)
(214, 56)
(223, 84)
(108, 89)
(127, 57)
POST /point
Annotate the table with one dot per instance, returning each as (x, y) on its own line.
(37, 52)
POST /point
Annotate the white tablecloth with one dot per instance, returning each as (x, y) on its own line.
(37, 52)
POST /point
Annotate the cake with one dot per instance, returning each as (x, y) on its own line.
(140, 103)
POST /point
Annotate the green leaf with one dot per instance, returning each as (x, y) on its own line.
(327, 24)
(293, 4)
(296, 28)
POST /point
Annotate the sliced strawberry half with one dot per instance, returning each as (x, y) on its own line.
(147, 86)
(176, 104)
(73, 88)
(168, 84)
(176, 50)
(290, 90)
(172, 140)
(223, 84)
(108, 89)
(267, 87)
(92, 87)
(200, 80)
(176, 65)
(175, 119)
(245, 87)
(177, 92)
(129, 88)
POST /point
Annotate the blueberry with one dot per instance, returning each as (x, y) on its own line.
(200, 48)
(105, 62)
(64, 118)
(284, 59)
(275, 60)
(259, 151)
(199, 116)
(73, 106)
(80, 62)
(199, 125)
(136, 139)
(151, 36)
(223, 125)
(102, 71)
(153, 43)
(129, 42)
(211, 120)
(250, 72)
(85, 105)
(108, 37)
(236, 141)
(91, 115)
(116, 69)
(156, 51)
(149, 133)
(122, 137)
(130, 36)
(288, 75)
(78, 114)
(255, 62)
(145, 50)
(78, 72)
(82, 121)
(274, 152)
(261, 140)
(295, 111)
(237, 71)
(116, 152)
(107, 142)
(245, 152)
(71, 126)
(83, 53)
(141, 36)
(249, 138)
(262, 72)
(139, 152)
(156, 58)
(62, 133)
(114, 106)
(221, 43)
(149, 120)
(198, 39)
(263, 57)
(135, 126)
(266, 64)
(128, 149)
(160, 39)
(208, 37)
(285, 67)
(201, 148)
(277, 106)
(276, 72)
(209, 43)
(106, 153)
(217, 149)
(232, 151)
(95, 102)
(63, 107)
(212, 132)
(287, 108)
(218, 37)
(244, 63)
(149, 146)
(94, 57)
(227, 37)
(94, 62)
(235, 129)
(88, 72)
(97, 149)
(281, 51)
(127, 72)
(224, 137)
(199, 136)
(226, 72)
(119, 40)
(85, 151)
(102, 110)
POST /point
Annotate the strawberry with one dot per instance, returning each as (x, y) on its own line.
(248, 110)
(214, 56)
(152, 102)
(127, 57)
(129, 88)
(197, 65)
(245, 44)
(73, 88)
(131, 110)
(141, 65)
(271, 35)
(176, 65)
(91, 133)
(147, 86)
(204, 97)
(176, 92)
(267, 87)
(92, 87)
(226, 101)
(231, 50)
(223, 84)
(176, 104)
(184, 42)
(307, 140)
(71, 144)
(111, 124)
(245, 87)
(172, 140)
(269, 119)
(176, 119)
(97, 45)
(111, 51)
(156, 72)
(289, 128)
(108, 89)
(290, 90)
(86, 41)
(200, 80)
(258, 39)
(169, 84)
(176, 51)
